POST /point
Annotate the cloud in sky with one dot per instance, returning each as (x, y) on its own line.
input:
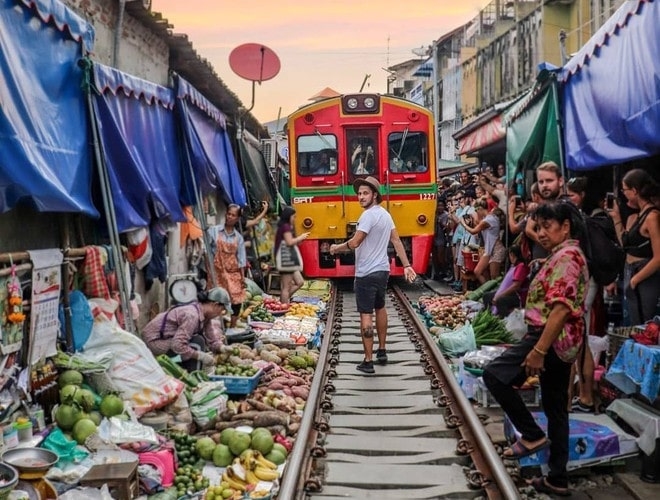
(331, 43)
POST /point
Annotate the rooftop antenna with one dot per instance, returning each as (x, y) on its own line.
(387, 61)
(364, 82)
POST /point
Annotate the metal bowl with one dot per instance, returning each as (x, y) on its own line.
(30, 459)
(9, 477)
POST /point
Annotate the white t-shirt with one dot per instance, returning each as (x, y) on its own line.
(371, 255)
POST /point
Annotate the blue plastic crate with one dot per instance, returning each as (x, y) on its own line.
(239, 385)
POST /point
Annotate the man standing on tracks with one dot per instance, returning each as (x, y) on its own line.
(375, 229)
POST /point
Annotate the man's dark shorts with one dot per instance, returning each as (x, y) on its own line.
(370, 291)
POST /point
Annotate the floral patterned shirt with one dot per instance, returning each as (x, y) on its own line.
(562, 279)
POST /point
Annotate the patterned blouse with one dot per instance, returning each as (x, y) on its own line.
(562, 279)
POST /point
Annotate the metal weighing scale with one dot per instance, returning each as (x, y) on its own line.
(32, 465)
(182, 288)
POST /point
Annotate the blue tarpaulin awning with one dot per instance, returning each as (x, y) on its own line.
(45, 160)
(137, 131)
(208, 147)
(611, 90)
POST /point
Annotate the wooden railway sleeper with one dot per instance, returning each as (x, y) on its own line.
(464, 447)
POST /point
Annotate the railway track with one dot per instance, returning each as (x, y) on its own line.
(406, 432)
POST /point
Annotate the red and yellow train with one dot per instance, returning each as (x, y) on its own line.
(337, 140)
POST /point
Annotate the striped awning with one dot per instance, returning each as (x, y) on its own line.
(425, 69)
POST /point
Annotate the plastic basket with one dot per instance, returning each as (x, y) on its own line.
(617, 339)
(238, 385)
(470, 260)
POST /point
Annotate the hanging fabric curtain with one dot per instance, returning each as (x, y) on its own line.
(138, 139)
(208, 147)
(45, 160)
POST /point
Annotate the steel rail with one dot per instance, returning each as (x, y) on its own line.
(292, 481)
(483, 455)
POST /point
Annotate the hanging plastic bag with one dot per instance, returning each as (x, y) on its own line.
(81, 319)
(515, 323)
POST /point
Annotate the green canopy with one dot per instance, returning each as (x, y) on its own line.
(532, 135)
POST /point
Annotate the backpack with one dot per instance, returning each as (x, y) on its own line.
(598, 241)
(606, 256)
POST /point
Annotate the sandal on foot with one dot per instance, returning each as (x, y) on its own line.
(542, 485)
(518, 450)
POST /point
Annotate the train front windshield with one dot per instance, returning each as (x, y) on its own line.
(317, 155)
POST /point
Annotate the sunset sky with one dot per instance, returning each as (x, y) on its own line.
(334, 43)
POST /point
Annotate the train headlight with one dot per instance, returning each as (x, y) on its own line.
(352, 103)
(307, 222)
(369, 102)
(422, 219)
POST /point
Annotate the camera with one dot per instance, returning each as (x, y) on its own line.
(609, 203)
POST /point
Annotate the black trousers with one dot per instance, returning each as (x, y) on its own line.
(504, 374)
(198, 342)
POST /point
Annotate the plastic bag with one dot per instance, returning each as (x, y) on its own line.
(207, 402)
(134, 370)
(81, 319)
(67, 449)
(515, 323)
(102, 493)
(458, 341)
(125, 431)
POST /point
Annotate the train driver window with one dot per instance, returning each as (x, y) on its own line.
(317, 155)
(407, 152)
(362, 153)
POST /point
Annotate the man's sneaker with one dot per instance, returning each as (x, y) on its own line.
(580, 407)
(381, 356)
(366, 367)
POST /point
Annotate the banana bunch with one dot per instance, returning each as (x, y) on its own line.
(249, 469)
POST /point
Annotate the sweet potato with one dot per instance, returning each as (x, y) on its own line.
(300, 392)
(258, 405)
(272, 417)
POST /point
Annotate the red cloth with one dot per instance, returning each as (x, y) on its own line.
(94, 281)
